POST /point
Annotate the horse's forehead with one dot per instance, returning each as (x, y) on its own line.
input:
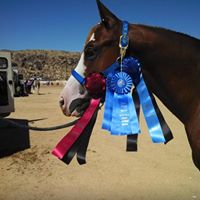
(91, 35)
(95, 33)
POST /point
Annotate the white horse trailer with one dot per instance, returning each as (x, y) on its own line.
(6, 84)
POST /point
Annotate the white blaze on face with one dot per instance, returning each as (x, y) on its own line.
(72, 88)
(92, 38)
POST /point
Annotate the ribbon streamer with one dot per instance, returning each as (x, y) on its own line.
(124, 118)
(131, 144)
(69, 145)
(81, 144)
(165, 128)
(107, 118)
(81, 153)
(150, 115)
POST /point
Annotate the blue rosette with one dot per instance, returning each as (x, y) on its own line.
(120, 83)
(132, 67)
(109, 82)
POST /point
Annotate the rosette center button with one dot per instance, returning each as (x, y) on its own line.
(121, 83)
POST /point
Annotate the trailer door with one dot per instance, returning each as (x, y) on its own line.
(6, 84)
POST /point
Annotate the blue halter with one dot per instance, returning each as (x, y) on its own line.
(78, 77)
(120, 117)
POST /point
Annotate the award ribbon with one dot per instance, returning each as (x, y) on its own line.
(121, 113)
(120, 116)
(68, 146)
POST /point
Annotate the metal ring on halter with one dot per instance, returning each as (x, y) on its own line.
(124, 40)
(123, 48)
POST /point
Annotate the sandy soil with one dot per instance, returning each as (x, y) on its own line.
(155, 172)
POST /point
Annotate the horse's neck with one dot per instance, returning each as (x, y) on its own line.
(171, 66)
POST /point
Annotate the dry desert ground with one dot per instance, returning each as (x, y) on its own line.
(155, 172)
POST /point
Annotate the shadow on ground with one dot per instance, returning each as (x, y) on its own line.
(13, 139)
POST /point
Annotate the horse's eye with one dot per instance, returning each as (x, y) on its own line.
(90, 52)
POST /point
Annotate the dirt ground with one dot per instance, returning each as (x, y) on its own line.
(155, 172)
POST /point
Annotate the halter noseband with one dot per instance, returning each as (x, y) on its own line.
(78, 77)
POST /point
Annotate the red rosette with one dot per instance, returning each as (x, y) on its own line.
(95, 83)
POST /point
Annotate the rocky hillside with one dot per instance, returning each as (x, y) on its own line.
(49, 65)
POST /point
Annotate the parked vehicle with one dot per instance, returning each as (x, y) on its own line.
(6, 84)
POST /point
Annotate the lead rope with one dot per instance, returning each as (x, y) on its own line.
(4, 122)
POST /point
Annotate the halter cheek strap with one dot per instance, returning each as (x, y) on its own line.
(124, 39)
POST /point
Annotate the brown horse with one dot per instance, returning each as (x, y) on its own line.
(170, 65)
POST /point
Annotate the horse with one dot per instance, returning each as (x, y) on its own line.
(170, 65)
(36, 85)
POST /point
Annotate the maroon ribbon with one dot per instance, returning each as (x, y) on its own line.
(71, 143)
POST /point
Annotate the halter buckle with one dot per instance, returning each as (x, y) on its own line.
(123, 44)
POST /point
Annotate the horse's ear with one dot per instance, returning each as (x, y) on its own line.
(107, 17)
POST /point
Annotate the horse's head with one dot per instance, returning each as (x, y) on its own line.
(100, 51)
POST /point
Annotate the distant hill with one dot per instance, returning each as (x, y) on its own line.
(49, 65)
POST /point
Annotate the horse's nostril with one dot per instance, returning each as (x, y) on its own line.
(61, 102)
(81, 90)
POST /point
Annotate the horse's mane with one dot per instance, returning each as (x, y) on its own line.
(173, 34)
(186, 44)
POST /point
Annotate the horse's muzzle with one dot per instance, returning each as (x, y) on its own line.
(63, 107)
(77, 106)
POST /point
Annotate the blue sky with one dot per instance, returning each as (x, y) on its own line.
(64, 24)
